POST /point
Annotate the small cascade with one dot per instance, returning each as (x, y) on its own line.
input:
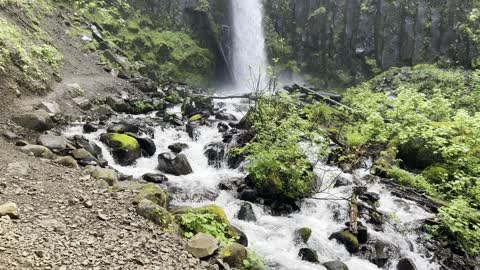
(249, 53)
(273, 237)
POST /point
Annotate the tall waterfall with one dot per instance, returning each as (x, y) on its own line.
(249, 54)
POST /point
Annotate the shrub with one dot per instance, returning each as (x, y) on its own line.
(193, 223)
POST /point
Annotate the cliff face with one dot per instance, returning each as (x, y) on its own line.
(357, 38)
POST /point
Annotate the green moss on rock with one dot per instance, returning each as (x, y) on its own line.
(303, 234)
(152, 193)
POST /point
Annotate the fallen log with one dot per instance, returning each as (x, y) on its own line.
(329, 98)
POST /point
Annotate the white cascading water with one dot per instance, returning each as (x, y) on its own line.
(272, 237)
(249, 53)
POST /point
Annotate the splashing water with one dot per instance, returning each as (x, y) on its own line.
(272, 237)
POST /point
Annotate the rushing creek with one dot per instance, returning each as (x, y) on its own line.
(272, 237)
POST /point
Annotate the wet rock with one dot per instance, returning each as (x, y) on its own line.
(309, 255)
(202, 245)
(148, 146)
(249, 195)
(406, 264)
(38, 120)
(9, 209)
(342, 182)
(242, 238)
(196, 195)
(370, 197)
(222, 127)
(89, 128)
(103, 112)
(152, 193)
(38, 151)
(123, 127)
(303, 235)
(380, 252)
(178, 147)
(215, 152)
(346, 238)
(117, 104)
(91, 147)
(192, 130)
(53, 142)
(156, 178)
(234, 254)
(225, 117)
(176, 164)
(230, 184)
(246, 212)
(125, 149)
(335, 265)
(67, 162)
(155, 213)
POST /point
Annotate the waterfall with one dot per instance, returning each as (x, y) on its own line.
(249, 54)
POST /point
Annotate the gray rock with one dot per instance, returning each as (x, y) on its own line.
(335, 265)
(246, 212)
(53, 142)
(156, 178)
(9, 209)
(309, 255)
(38, 151)
(81, 153)
(109, 175)
(154, 212)
(202, 245)
(51, 107)
(234, 254)
(10, 135)
(67, 162)
(83, 103)
(75, 90)
(38, 120)
(178, 147)
(406, 264)
(176, 164)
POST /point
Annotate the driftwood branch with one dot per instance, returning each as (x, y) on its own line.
(327, 97)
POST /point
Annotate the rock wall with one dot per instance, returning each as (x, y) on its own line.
(361, 37)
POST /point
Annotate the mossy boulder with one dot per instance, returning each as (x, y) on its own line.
(152, 193)
(109, 175)
(348, 239)
(38, 151)
(234, 254)
(67, 161)
(335, 265)
(125, 149)
(303, 234)
(156, 213)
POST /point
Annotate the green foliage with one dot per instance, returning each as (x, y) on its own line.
(50, 55)
(277, 163)
(253, 262)
(193, 223)
(463, 223)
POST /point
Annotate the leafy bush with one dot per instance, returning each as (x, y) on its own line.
(253, 262)
(193, 223)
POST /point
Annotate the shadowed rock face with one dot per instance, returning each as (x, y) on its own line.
(350, 35)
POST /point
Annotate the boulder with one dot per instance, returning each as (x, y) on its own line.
(91, 147)
(234, 254)
(9, 209)
(51, 107)
(53, 142)
(156, 178)
(123, 127)
(335, 265)
(155, 213)
(202, 245)
(125, 149)
(215, 152)
(380, 252)
(406, 264)
(177, 147)
(109, 175)
(117, 104)
(309, 255)
(242, 238)
(192, 130)
(81, 154)
(82, 103)
(153, 193)
(67, 162)
(346, 238)
(246, 212)
(9, 135)
(222, 127)
(225, 117)
(144, 84)
(38, 120)
(103, 112)
(176, 164)
(342, 182)
(303, 234)
(249, 195)
(75, 90)
(89, 128)
(38, 151)
(148, 146)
